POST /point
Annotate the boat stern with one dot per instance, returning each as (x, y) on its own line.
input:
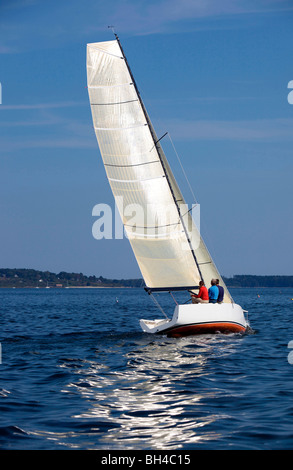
(154, 326)
(196, 319)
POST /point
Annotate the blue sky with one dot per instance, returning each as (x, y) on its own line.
(213, 74)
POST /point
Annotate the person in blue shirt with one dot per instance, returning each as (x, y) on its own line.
(213, 292)
(221, 292)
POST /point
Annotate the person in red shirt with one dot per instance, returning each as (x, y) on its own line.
(202, 297)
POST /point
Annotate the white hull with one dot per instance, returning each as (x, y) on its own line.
(198, 319)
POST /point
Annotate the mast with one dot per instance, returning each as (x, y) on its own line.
(158, 147)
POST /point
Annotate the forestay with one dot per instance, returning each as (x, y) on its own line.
(161, 231)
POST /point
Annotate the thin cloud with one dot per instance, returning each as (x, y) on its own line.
(81, 136)
(7, 49)
(148, 18)
(68, 142)
(42, 119)
(58, 23)
(60, 104)
(254, 130)
(14, 4)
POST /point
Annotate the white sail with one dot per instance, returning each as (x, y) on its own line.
(147, 195)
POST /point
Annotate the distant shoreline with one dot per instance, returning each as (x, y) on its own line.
(70, 287)
(31, 278)
(131, 287)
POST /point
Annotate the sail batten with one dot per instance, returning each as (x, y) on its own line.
(139, 175)
(134, 164)
(111, 104)
(135, 181)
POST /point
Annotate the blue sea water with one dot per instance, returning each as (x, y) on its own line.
(77, 372)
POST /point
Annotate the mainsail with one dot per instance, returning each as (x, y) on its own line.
(164, 238)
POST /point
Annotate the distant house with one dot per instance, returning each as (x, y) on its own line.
(58, 285)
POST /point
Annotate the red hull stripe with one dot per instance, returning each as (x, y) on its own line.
(203, 328)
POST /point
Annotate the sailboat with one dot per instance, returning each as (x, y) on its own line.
(169, 250)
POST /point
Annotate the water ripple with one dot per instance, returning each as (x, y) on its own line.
(71, 378)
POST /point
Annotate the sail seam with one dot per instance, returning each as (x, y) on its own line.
(136, 181)
(155, 226)
(157, 145)
(110, 104)
(105, 52)
(134, 146)
(119, 128)
(110, 86)
(136, 164)
(161, 235)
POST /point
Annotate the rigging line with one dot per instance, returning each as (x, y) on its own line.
(158, 305)
(183, 171)
(112, 27)
(182, 215)
(159, 150)
(158, 140)
(173, 298)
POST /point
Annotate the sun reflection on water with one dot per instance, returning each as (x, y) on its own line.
(156, 400)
